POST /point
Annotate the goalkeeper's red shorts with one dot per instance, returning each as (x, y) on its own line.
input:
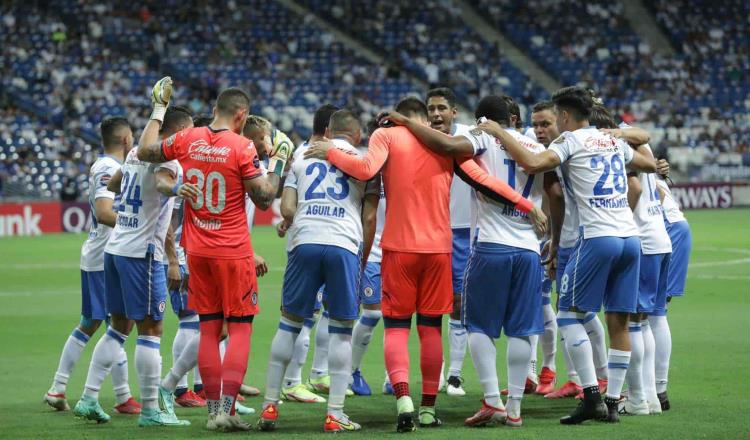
(222, 286)
(416, 283)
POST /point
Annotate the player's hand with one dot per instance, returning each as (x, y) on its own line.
(319, 150)
(552, 269)
(662, 168)
(160, 95)
(389, 118)
(538, 221)
(614, 132)
(492, 128)
(281, 150)
(174, 278)
(188, 191)
(185, 280)
(549, 252)
(260, 265)
(282, 227)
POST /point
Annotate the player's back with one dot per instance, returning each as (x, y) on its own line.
(569, 230)
(92, 252)
(649, 217)
(217, 161)
(672, 211)
(594, 168)
(417, 184)
(143, 212)
(376, 253)
(504, 224)
(329, 202)
(460, 205)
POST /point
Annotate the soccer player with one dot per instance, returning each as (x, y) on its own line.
(117, 140)
(221, 166)
(324, 208)
(682, 241)
(442, 111)
(606, 263)
(416, 243)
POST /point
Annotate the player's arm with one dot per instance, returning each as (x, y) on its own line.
(114, 183)
(470, 172)
(369, 223)
(632, 135)
(435, 140)
(149, 146)
(174, 278)
(166, 184)
(360, 167)
(642, 160)
(634, 190)
(105, 213)
(262, 190)
(556, 200)
(288, 204)
(532, 163)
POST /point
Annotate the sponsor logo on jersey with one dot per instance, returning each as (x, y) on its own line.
(200, 150)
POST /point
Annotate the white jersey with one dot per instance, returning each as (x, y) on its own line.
(672, 211)
(529, 133)
(376, 253)
(569, 229)
(460, 191)
(144, 213)
(329, 202)
(249, 205)
(649, 217)
(594, 167)
(179, 211)
(505, 224)
(92, 252)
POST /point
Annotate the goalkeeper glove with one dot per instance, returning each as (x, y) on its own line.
(281, 150)
(160, 95)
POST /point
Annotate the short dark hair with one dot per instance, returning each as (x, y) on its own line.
(443, 92)
(111, 129)
(600, 117)
(542, 106)
(372, 125)
(322, 117)
(202, 120)
(494, 108)
(232, 100)
(344, 120)
(574, 99)
(412, 106)
(175, 116)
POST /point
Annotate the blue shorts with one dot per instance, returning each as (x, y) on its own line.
(309, 266)
(652, 287)
(136, 287)
(682, 243)
(602, 270)
(93, 296)
(563, 255)
(370, 292)
(502, 291)
(461, 250)
(179, 298)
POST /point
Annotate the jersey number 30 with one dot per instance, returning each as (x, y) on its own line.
(207, 184)
(335, 193)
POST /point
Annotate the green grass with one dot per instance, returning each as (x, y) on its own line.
(39, 306)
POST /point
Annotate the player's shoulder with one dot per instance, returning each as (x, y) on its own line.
(527, 142)
(461, 129)
(105, 163)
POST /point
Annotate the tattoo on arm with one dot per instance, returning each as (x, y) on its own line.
(151, 153)
(263, 191)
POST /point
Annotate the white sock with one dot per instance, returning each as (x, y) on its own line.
(186, 330)
(120, 381)
(457, 338)
(186, 361)
(282, 349)
(579, 346)
(148, 366)
(105, 353)
(293, 374)
(519, 355)
(339, 364)
(484, 356)
(69, 357)
(569, 367)
(636, 392)
(549, 338)
(595, 330)
(320, 354)
(663, 343)
(649, 352)
(534, 341)
(618, 367)
(223, 347)
(362, 334)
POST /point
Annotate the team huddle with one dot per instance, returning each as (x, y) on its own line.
(576, 201)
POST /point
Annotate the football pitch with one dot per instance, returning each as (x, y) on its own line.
(708, 388)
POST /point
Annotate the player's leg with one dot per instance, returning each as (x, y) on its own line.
(342, 276)
(595, 330)
(662, 338)
(399, 304)
(434, 299)
(124, 401)
(457, 335)
(484, 303)
(620, 300)
(370, 298)
(548, 339)
(302, 280)
(636, 402)
(92, 314)
(582, 288)
(319, 380)
(523, 318)
(294, 390)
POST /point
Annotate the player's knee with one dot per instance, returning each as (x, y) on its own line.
(292, 317)
(148, 326)
(89, 326)
(121, 324)
(430, 321)
(456, 313)
(389, 322)
(371, 306)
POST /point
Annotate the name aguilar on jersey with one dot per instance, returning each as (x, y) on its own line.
(326, 211)
(604, 145)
